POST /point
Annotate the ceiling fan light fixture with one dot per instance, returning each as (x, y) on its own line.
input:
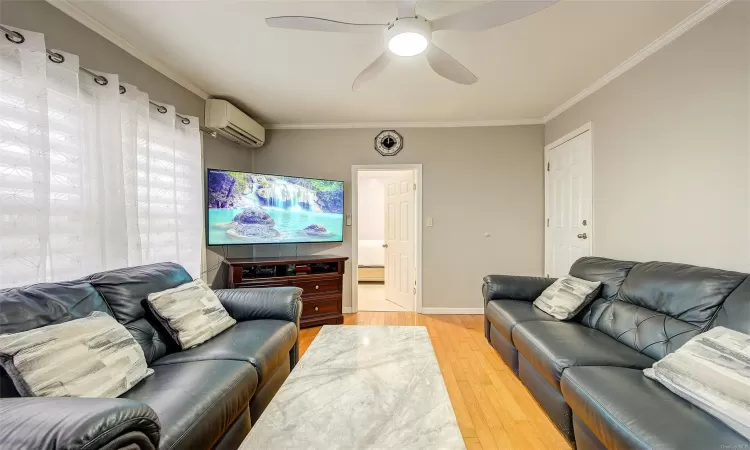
(407, 44)
(408, 36)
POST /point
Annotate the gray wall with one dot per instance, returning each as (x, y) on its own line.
(672, 150)
(475, 180)
(95, 52)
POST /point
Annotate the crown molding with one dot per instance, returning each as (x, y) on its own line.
(94, 25)
(383, 125)
(678, 30)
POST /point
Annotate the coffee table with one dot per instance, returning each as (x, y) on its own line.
(360, 387)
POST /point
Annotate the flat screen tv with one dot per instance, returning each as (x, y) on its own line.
(254, 208)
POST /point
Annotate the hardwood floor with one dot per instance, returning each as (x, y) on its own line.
(494, 410)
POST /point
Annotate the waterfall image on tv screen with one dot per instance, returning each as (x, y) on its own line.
(250, 208)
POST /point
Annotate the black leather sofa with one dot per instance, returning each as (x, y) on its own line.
(587, 373)
(201, 398)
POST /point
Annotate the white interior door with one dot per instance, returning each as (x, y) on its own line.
(399, 239)
(569, 204)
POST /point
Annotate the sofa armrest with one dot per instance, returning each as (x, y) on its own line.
(69, 422)
(280, 303)
(509, 287)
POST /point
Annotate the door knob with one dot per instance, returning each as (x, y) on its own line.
(582, 236)
(385, 245)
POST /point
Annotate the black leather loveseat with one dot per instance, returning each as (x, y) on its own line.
(587, 373)
(201, 398)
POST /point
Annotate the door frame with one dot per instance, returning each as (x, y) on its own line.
(417, 168)
(547, 148)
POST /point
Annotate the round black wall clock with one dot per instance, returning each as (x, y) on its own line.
(388, 142)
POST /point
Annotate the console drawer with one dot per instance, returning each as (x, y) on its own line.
(314, 287)
(320, 307)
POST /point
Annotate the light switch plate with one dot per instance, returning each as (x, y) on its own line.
(429, 221)
(348, 220)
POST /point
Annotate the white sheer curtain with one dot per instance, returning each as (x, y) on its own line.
(92, 175)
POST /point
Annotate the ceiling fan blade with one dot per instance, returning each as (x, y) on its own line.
(447, 67)
(407, 8)
(489, 15)
(371, 71)
(318, 24)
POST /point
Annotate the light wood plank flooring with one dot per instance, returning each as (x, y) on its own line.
(494, 410)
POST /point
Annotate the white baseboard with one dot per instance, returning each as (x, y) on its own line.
(347, 309)
(444, 311)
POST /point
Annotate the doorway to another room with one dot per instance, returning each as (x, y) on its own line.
(387, 238)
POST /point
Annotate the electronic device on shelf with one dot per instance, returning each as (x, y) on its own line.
(322, 267)
(264, 271)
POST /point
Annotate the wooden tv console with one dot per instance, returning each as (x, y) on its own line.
(321, 278)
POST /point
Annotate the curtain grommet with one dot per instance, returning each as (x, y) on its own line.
(100, 80)
(122, 89)
(56, 58)
(185, 120)
(15, 37)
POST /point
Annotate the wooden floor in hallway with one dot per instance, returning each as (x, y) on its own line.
(493, 408)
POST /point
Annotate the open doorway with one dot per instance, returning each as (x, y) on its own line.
(387, 238)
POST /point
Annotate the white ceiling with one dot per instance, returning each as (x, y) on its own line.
(526, 68)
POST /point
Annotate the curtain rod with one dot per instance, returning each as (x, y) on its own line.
(18, 38)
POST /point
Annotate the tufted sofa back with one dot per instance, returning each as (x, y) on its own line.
(610, 272)
(660, 306)
(29, 307)
(119, 293)
(735, 311)
(126, 289)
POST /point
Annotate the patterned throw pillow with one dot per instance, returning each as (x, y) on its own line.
(94, 356)
(711, 371)
(567, 296)
(191, 313)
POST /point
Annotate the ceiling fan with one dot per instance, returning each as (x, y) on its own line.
(410, 34)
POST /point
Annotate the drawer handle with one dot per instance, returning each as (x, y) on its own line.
(317, 287)
(316, 308)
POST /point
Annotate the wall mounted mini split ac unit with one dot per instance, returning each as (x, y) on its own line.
(228, 121)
